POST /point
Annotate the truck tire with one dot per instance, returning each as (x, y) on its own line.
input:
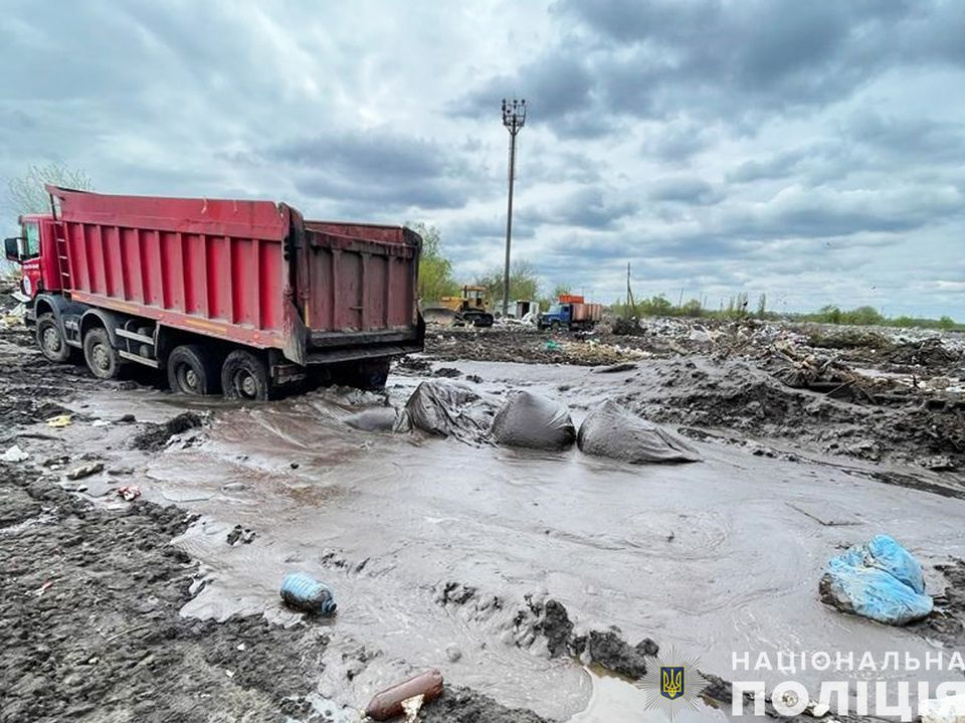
(101, 356)
(50, 339)
(192, 370)
(366, 374)
(373, 374)
(244, 375)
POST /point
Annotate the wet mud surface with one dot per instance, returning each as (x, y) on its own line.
(880, 396)
(519, 573)
(89, 604)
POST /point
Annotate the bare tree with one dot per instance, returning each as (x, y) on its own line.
(26, 194)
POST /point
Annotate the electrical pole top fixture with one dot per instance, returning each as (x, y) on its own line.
(514, 115)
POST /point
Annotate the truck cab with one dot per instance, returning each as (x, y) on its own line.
(33, 251)
(558, 315)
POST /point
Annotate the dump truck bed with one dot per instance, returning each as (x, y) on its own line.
(251, 272)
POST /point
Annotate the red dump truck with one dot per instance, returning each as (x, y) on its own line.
(242, 297)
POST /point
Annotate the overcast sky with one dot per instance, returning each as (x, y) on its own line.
(813, 150)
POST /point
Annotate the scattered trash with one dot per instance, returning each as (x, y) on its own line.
(553, 346)
(43, 588)
(948, 709)
(303, 592)
(612, 431)
(388, 703)
(453, 653)
(447, 372)
(613, 368)
(156, 436)
(241, 536)
(411, 708)
(15, 454)
(101, 423)
(85, 470)
(60, 421)
(938, 463)
(880, 580)
(528, 420)
(128, 493)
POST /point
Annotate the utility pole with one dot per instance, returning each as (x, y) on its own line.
(514, 118)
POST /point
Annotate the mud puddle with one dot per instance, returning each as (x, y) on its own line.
(716, 558)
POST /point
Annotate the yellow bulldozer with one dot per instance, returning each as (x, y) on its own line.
(471, 308)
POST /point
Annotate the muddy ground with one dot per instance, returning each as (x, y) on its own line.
(91, 594)
(113, 609)
(877, 395)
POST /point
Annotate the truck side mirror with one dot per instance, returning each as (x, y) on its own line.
(11, 248)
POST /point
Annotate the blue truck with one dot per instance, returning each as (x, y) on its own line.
(571, 312)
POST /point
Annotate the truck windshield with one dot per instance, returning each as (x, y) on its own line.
(554, 309)
(31, 232)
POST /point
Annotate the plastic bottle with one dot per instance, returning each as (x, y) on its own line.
(304, 592)
(387, 704)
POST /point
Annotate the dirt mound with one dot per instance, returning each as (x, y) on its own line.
(931, 353)
(848, 338)
(92, 600)
(156, 436)
(461, 705)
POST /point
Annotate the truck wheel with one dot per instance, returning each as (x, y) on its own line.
(374, 374)
(50, 339)
(245, 376)
(555, 326)
(101, 356)
(366, 375)
(192, 370)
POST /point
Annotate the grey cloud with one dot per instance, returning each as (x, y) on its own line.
(556, 84)
(677, 140)
(780, 165)
(587, 208)
(381, 167)
(921, 139)
(686, 190)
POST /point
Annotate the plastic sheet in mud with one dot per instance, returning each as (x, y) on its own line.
(448, 409)
(529, 420)
(612, 431)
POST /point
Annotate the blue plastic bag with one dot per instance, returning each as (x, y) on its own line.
(878, 580)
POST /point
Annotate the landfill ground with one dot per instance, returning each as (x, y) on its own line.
(144, 536)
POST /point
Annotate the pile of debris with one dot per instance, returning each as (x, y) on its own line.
(821, 373)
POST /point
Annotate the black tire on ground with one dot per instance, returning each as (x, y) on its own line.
(193, 370)
(50, 339)
(101, 356)
(244, 375)
(483, 321)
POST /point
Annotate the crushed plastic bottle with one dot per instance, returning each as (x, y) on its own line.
(303, 592)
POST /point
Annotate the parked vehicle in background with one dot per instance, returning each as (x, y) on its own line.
(242, 297)
(571, 312)
(471, 308)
